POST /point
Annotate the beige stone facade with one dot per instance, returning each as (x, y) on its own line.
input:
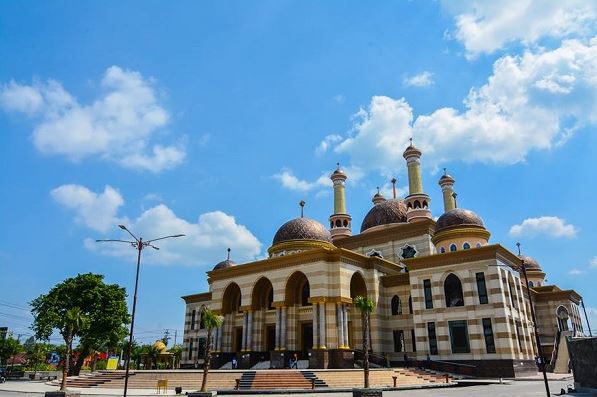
(467, 305)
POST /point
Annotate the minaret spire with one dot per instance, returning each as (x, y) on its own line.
(447, 184)
(394, 180)
(417, 201)
(302, 204)
(228, 254)
(340, 221)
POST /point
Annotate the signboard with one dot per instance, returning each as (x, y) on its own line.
(112, 363)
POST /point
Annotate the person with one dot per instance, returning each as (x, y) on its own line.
(233, 362)
(294, 362)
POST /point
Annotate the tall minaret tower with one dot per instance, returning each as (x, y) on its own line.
(417, 202)
(340, 221)
(447, 184)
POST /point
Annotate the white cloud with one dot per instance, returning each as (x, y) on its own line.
(550, 226)
(327, 143)
(423, 79)
(93, 210)
(576, 272)
(205, 243)
(121, 125)
(529, 103)
(289, 181)
(593, 262)
(487, 26)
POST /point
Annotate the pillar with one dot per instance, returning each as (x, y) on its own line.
(244, 341)
(249, 330)
(412, 155)
(278, 327)
(345, 324)
(322, 336)
(315, 325)
(340, 325)
(283, 328)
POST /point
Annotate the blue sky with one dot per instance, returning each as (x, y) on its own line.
(215, 119)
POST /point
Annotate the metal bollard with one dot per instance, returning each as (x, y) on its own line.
(312, 383)
(394, 377)
(447, 378)
(237, 384)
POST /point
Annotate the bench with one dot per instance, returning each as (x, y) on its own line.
(48, 377)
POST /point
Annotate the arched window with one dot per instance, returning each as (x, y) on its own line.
(466, 246)
(410, 304)
(345, 223)
(442, 250)
(478, 245)
(562, 315)
(531, 284)
(453, 291)
(417, 204)
(453, 247)
(305, 294)
(396, 305)
(425, 205)
(338, 223)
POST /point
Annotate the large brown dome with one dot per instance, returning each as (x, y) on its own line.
(302, 229)
(458, 217)
(385, 213)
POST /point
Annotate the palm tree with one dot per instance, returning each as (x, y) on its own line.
(74, 321)
(365, 306)
(211, 320)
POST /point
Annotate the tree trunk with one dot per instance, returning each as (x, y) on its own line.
(69, 349)
(366, 348)
(206, 360)
(93, 362)
(75, 370)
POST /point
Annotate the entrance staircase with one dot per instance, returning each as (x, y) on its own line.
(284, 379)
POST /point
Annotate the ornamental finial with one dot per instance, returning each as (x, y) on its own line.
(302, 204)
(394, 180)
(228, 254)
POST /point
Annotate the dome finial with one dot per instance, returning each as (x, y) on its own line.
(518, 245)
(228, 254)
(338, 165)
(302, 204)
(445, 171)
(394, 180)
(411, 140)
(454, 195)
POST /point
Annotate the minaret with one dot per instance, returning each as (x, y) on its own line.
(447, 184)
(417, 202)
(340, 221)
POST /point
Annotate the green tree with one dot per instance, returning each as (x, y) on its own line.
(211, 321)
(9, 346)
(152, 353)
(103, 306)
(36, 353)
(365, 306)
(176, 350)
(73, 323)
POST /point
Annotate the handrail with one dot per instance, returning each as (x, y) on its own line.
(377, 359)
(556, 346)
(449, 366)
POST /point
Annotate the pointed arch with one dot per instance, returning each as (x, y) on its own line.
(231, 299)
(358, 287)
(298, 290)
(453, 291)
(263, 294)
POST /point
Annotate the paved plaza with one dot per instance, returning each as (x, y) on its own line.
(518, 388)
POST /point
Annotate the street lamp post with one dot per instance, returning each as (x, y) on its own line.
(539, 349)
(139, 245)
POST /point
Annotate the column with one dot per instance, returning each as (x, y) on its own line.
(244, 343)
(322, 338)
(283, 328)
(278, 328)
(214, 340)
(249, 330)
(345, 324)
(340, 325)
(315, 325)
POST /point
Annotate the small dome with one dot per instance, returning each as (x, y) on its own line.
(458, 217)
(225, 264)
(302, 229)
(530, 262)
(385, 213)
(338, 173)
(160, 346)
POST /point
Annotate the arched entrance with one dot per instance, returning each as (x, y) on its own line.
(231, 302)
(563, 318)
(358, 287)
(262, 298)
(297, 294)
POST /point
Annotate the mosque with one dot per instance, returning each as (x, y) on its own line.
(442, 292)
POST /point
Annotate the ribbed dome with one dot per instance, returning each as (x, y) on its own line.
(530, 262)
(302, 229)
(458, 217)
(225, 264)
(385, 213)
